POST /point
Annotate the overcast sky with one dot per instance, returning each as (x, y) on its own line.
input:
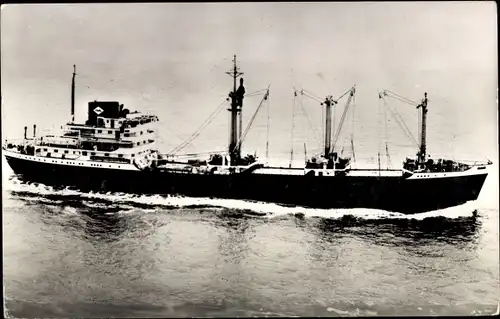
(171, 59)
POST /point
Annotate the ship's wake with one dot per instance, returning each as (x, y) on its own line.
(122, 202)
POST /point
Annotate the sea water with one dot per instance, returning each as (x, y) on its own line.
(72, 254)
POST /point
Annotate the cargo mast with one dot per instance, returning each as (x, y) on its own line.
(236, 104)
(328, 125)
(73, 95)
(422, 153)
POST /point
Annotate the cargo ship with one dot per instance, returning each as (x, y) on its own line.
(115, 151)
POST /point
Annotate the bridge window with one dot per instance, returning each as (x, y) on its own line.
(92, 153)
(110, 132)
(120, 155)
(66, 152)
(126, 135)
(138, 143)
(106, 154)
(84, 153)
(55, 151)
(141, 132)
(45, 150)
(99, 131)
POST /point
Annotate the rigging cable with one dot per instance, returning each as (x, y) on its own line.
(419, 128)
(267, 130)
(311, 96)
(403, 126)
(407, 101)
(402, 98)
(305, 133)
(261, 91)
(252, 119)
(378, 130)
(342, 119)
(293, 129)
(201, 128)
(333, 121)
(388, 156)
(304, 113)
(323, 115)
(352, 129)
(379, 136)
(316, 99)
(313, 128)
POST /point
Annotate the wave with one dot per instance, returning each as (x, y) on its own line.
(148, 203)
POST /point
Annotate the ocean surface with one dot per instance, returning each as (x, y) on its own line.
(71, 254)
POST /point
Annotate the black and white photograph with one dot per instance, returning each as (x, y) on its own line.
(250, 159)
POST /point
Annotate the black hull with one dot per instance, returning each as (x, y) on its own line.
(396, 194)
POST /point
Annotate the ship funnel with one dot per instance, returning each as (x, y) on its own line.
(34, 130)
(25, 131)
